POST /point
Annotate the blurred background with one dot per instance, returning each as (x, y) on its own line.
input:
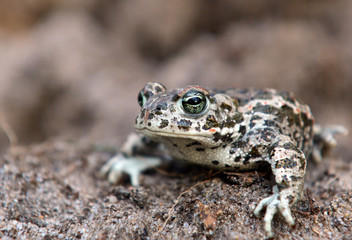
(73, 69)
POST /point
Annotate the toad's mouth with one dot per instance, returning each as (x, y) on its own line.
(155, 133)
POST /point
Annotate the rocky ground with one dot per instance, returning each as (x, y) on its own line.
(69, 77)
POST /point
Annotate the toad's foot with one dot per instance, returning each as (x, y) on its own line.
(274, 203)
(324, 140)
(132, 166)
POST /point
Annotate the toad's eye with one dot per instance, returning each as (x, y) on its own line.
(141, 98)
(194, 102)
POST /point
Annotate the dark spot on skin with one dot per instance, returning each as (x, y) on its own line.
(226, 106)
(184, 124)
(162, 106)
(200, 149)
(158, 113)
(232, 151)
(254, 153)
(242, 130)
(267, 109)
(134, 149)
(239, 144)
(286, 112)
(175, 98)
(175, 145)
(158, 89)
(295, 178)
(303, 163)
(217, 112)
(246, 160)
(285, 181)
(215, 162)
(270, 123)
(264, 95)
(235, 102)
(227, 166)
(164, 123)
(210, 123)
(224, 146)
(193, 144)
(238, 117)
(215, 147)
(224, 138)
(271, 149)
(255, 117)
(172, 108)
(237, 159)
(268, 134)
(290, 199)
(149, 124)
(150, 116)
(285, 163)
(142, 113)
(287, 96)
(197, 129)
(290, 146)
(229, 123)
(281, 187)
(306, 121)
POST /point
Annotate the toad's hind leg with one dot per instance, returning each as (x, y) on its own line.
(288, 165)
(324, 140)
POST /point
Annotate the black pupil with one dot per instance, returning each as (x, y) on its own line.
(194, 100)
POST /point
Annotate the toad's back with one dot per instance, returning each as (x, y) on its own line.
(266, 108)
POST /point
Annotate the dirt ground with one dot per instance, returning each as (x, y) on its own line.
(69, 77)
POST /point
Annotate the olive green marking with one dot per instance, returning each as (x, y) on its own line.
(210, 123)
(184, 124)
(263, 95)
(150, 116)
(267, 109)
(238, 117)
(224, 138)
(164, 123)
(226, 106)
(172, 108)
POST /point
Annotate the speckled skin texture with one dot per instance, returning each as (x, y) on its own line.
(236, 129)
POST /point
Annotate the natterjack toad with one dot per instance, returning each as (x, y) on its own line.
(231, 130)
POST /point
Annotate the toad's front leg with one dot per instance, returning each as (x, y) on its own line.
(133, 158)
(288, 165)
